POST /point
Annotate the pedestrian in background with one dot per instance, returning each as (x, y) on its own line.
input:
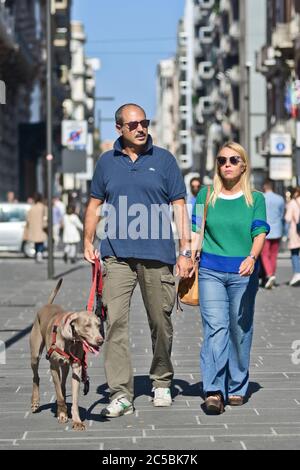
(195, 185)
(234, 236)
(57, 222)
(275, 206)
(292, 217)
(36, 226)
(10, 197)
(72, 226)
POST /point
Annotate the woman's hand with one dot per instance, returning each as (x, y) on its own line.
(247, 267)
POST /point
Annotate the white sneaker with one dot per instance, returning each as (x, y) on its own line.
(162, 397)
(295, 280)
(270, 282)
(39, 257)
(118, 407)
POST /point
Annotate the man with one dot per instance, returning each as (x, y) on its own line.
(138, 178)
(195, 185)
(275, 215)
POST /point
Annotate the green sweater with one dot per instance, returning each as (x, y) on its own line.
(230, 229)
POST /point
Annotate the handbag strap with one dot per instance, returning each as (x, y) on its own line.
(178, 304)
(201, 238)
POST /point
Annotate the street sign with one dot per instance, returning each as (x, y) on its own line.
(73, 161)
(281, 144)
(74, 134)
(281, 169)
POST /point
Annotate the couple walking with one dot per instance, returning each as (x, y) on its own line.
(135, 249)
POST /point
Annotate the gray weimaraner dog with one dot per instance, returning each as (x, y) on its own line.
(67, 337)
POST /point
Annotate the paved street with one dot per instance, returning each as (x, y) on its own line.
(269, 420)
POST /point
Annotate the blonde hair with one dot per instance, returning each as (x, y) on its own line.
(245, 178)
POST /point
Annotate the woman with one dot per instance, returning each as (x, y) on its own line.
(234, 236)
(71, 235)
(292, 217)
(36, 226)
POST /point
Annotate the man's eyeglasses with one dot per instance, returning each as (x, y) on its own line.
(145, 123)
(233, 160)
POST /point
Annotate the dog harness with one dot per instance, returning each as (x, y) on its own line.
(69, 356)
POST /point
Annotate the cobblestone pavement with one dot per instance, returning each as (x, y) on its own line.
(269, 420)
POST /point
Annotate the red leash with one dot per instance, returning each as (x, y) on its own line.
(97, 284)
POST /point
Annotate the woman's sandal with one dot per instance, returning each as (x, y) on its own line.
(215, 404)
(236, 400)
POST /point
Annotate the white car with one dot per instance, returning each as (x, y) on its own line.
(12, 225)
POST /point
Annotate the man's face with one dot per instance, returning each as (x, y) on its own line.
(195, 188)
(133, 129)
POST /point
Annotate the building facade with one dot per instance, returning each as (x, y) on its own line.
(19, 65)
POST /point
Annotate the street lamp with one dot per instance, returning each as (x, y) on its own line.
(49, 157)
(248, 98)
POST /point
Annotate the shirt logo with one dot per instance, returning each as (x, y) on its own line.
(152, 169)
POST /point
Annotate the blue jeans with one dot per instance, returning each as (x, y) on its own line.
(227, 308)
(295, 260)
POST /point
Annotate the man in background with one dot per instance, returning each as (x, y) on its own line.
(275, 215)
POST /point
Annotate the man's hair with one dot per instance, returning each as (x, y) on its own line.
(269, 183)
(119, 112)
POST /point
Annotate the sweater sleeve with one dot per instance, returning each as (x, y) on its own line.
(259, 222)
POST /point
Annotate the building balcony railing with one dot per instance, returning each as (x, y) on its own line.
(206, 70)
(281, 37)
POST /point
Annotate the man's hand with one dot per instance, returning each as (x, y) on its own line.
(90, 254)
(184, 266)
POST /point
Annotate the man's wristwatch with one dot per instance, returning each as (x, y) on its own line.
(185, 253)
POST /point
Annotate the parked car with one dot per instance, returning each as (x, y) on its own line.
(12, 225)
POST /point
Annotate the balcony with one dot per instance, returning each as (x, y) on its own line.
(234, 30)
(225, 45)
(281, 37)
(225, 6)
(234, 75)
(206, 4)
(206, 70)
(206, 35)
(198, 50)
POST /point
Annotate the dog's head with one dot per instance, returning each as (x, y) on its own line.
(83, 326)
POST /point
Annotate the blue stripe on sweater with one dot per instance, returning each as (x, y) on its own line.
(224, 264)
(260, 223)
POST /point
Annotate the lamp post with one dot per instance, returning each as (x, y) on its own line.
(248, 98)
(49, 156)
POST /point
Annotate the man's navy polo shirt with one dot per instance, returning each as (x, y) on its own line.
(152, 180)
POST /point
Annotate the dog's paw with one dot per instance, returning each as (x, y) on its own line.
(35, 406)
(78, 426)
(62, 418)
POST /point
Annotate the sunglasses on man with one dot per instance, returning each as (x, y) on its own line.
(233, 160)
(133, 125)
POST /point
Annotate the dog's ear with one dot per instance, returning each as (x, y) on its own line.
(66, 330)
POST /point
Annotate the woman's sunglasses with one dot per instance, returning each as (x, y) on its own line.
(233, 160)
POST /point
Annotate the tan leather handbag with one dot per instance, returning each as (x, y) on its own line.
(188, 289)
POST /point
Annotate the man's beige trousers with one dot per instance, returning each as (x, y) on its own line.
(157, 284)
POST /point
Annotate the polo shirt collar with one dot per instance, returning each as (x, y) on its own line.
(118, 146)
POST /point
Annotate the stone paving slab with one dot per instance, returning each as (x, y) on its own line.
(269, 420)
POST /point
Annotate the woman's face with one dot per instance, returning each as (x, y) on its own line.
(230, 164)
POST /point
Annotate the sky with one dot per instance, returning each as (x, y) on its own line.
(130, 38)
